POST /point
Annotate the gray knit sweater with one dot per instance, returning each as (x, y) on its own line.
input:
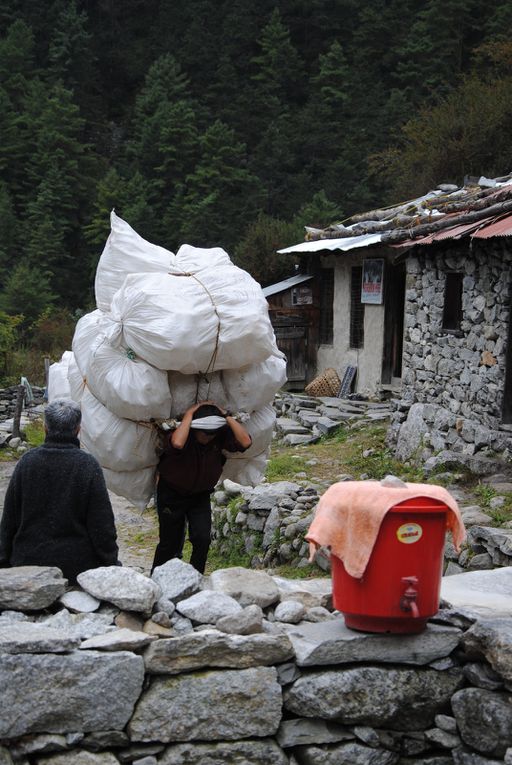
(57, 511)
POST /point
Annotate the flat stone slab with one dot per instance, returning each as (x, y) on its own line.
(219, 705)
(119, 640)
(30, 588)
(246, 586)
(211, 648)
(481, 592)
(80, 691)
(33, 637)
(79, 601)
(332, 643)
(286, 425)
(310, 592)
(248, 752)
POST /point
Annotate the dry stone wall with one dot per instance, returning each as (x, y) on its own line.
(240, 667)
(453, 380)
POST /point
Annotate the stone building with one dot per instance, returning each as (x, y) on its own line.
(421, 305)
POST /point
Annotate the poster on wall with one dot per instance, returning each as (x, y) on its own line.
(373, 279)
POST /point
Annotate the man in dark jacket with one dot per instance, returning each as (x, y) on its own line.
(189, 468)
(57, 511)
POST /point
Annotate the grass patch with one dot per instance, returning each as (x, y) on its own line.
(283, 466)
(34, 432)
(356, 452)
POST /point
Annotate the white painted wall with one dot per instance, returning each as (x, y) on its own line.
(339, 355)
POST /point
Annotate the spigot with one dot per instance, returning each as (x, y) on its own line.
(408, 599)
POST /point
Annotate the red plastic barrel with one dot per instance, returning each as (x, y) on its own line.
(399, 589)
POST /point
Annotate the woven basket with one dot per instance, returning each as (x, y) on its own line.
(326, 384)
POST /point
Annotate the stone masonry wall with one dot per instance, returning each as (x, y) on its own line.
(240, 667)
(453, 381)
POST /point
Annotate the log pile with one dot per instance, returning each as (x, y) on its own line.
(442, 208)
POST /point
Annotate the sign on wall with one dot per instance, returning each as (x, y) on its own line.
(373, 281)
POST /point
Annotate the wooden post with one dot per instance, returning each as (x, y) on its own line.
(20, 396)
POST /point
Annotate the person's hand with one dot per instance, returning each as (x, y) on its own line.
(197, 406)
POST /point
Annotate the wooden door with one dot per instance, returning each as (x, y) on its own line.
(292, 341)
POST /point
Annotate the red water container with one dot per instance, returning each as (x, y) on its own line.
(400, 587)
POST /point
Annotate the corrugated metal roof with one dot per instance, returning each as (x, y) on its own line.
(292, 281)
(454, 232)
(347, 243)
(482, 229)
(500, 227)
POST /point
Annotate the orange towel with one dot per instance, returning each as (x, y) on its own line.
(349, 514)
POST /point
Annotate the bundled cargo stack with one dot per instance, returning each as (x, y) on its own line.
(169, 330)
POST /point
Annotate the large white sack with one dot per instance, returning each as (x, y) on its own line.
(190, 324)
(255, 385)
(117, 444)
(89, 330)
(248, 472)
(127, 385)
(186, 390)
(191, 259)
(137, 486)
(76, 381)
(58, 385)
(125, 253)
(240, 466)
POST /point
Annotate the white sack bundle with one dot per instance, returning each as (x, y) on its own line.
(251, 463)
(125, 253)
(191, 260)
(76, 381)
(126, 385)
(117, 444)
(186, 390)
(248, 472)
(89, 330)
(58, 385)
(255, 385)
(190, 324)
(137, 486)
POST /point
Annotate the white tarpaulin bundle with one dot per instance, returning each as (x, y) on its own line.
(58, 384)
(224, 311)
(170, 330)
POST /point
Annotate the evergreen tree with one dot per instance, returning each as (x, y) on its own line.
(256, 252)
(17, 65)
(221, 194)
(70, 57)
(26, 293)
(8, 231)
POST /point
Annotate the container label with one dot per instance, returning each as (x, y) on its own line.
(409, 533)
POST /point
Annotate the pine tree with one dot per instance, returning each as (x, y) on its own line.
(70, 56)
(8, 231)
(26, 292)
(221, 194)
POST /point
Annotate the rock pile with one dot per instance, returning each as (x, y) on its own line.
(125, 670)
(303, 419)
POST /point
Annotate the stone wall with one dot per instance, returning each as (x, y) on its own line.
(268, 523)
(8, 400)
(453, 381)
(238, 668)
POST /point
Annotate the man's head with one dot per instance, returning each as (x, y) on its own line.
(207, 420)
(62, 418)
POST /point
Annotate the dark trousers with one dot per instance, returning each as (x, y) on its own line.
(174, 512)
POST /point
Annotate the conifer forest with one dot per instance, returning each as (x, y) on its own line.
(230, 123)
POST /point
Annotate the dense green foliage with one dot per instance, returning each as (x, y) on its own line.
(226, 122)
